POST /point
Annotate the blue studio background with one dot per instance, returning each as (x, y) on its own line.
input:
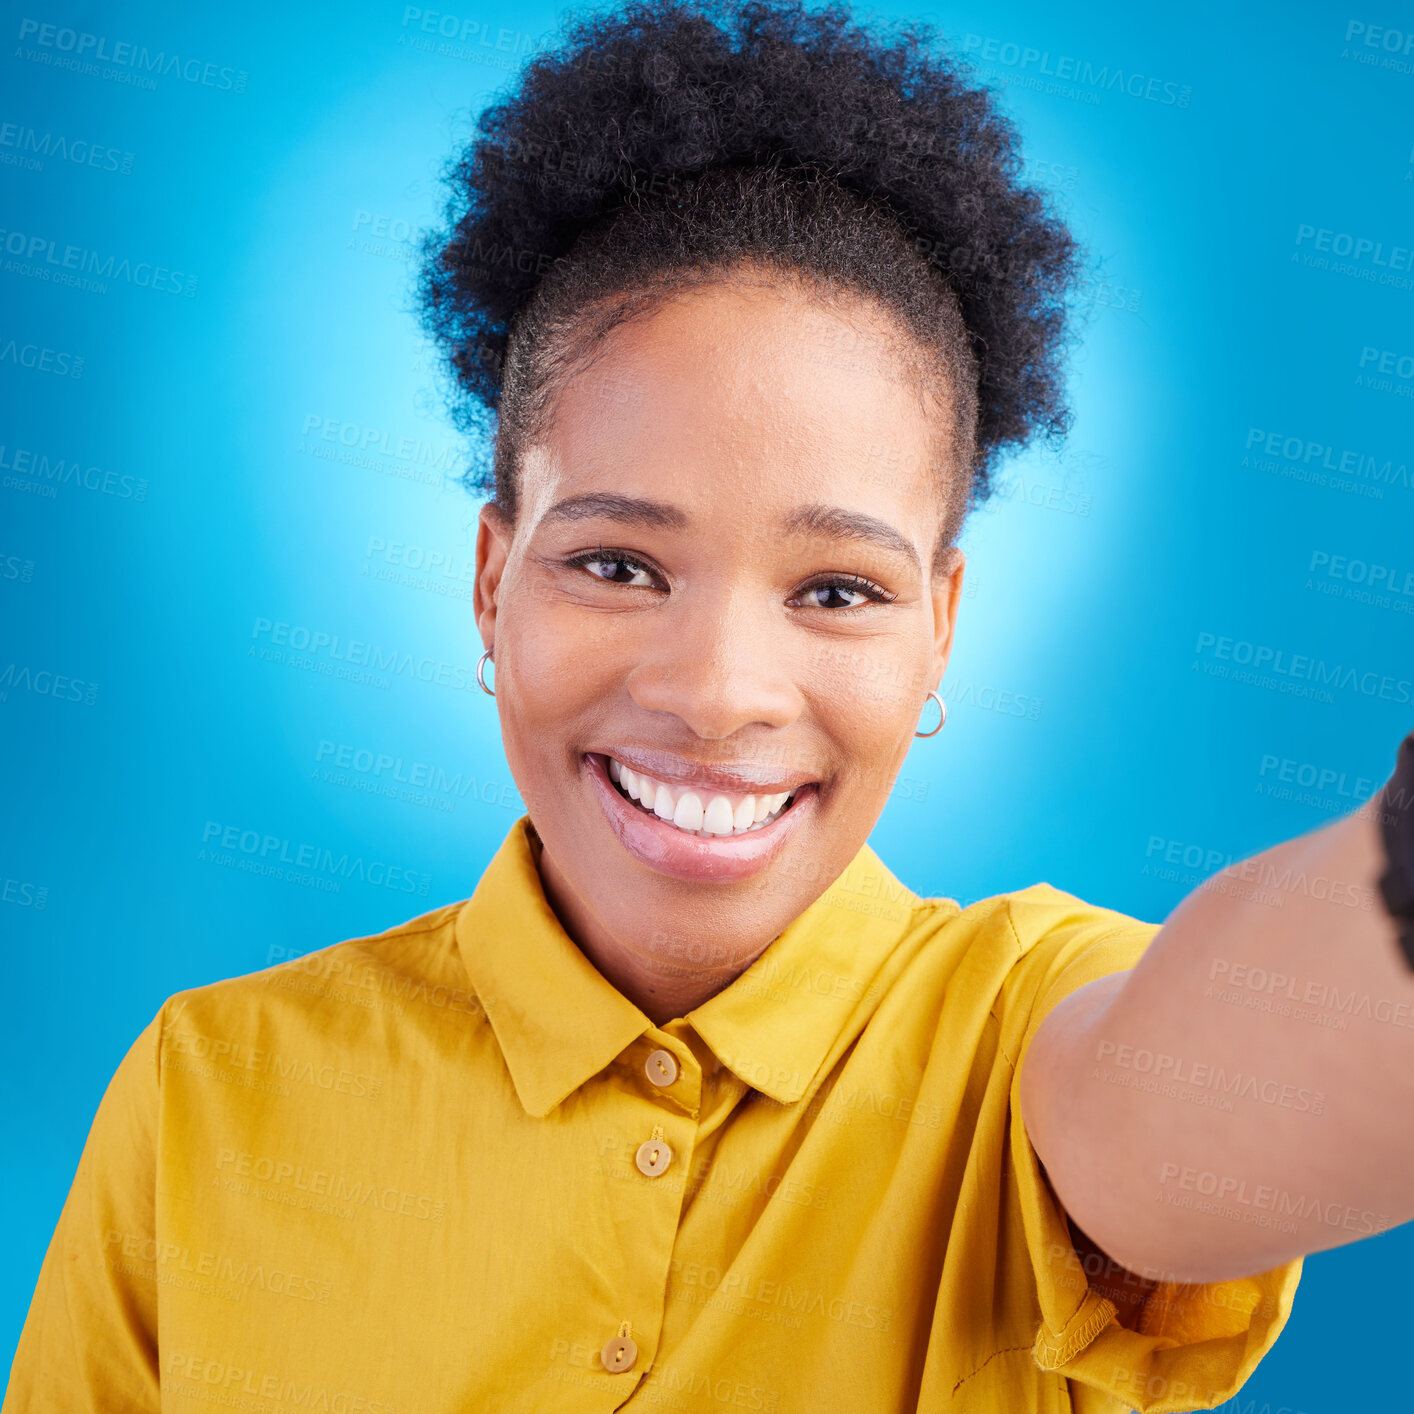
(239, 428)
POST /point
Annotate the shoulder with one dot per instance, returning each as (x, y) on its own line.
(1038, 917)
(1042, 915)
(414, 965)
(1026, 946)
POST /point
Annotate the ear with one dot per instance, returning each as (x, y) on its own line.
(947, 594)
(493, 547)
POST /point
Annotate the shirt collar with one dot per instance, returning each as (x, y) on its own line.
(559, 1022)
(776, 1025)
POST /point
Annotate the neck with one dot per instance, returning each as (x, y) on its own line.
(662, 988)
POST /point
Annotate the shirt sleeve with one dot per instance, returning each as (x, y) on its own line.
(89, 1342)
(1187, 1345)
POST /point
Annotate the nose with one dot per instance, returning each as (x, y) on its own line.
(719, 664)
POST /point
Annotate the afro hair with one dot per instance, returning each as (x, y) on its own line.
(662, 142)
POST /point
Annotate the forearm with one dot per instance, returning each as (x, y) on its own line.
(1246, 1085)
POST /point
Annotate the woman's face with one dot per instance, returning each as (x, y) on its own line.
(718, 580)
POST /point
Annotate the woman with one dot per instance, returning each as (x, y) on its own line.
(693, 1103)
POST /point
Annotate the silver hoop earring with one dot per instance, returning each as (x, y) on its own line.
(480, 671)
(942, 715)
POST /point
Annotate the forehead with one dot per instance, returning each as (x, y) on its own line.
(744, 395)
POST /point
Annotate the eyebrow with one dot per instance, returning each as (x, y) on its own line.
(828, 522)
(836, 523)
(626, 510)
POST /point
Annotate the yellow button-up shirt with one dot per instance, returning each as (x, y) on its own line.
(450, 1168)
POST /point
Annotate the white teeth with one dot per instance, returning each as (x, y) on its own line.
(687, 815)
(712, 818)
(718, 819)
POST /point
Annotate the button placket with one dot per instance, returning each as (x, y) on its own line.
(669, 1101)
(661, 1068)
(620, 1352)
(654, 1155)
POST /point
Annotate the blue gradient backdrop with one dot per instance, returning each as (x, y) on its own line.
(258, 440)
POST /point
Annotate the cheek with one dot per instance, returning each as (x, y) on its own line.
(558, 671)
(872, 697)
(870, 704)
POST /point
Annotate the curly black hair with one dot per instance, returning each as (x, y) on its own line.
(665, 143)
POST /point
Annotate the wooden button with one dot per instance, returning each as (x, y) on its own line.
(618, 1354)
(661, 1068)
(653, 1157)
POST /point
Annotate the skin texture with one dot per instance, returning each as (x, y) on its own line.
(735, 405)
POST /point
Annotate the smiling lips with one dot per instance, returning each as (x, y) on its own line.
(665, 825)
(695, 812)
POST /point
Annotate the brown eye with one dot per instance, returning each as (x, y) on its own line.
(832, 596)
(832, 593)
(613, 568)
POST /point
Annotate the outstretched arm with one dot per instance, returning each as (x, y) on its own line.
(1240, 1097)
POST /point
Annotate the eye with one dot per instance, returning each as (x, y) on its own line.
(847, 591)
(613, 567)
